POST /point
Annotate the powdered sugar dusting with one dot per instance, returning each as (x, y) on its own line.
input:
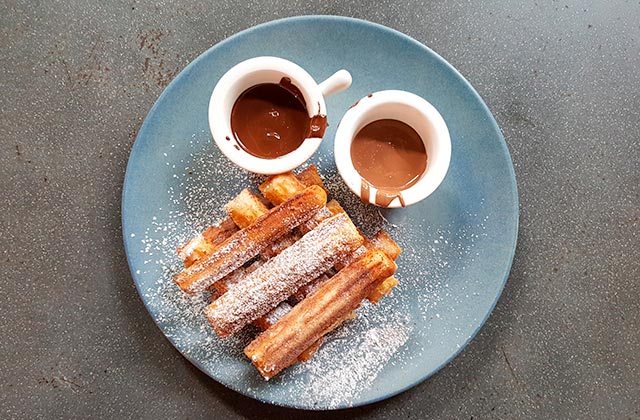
(365, 357)
(279, 311)
(357, 354)
(281, 276)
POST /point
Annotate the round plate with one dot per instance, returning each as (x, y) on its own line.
(458, 243)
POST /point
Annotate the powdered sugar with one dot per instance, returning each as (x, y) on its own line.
(278, 312)
(279, 277)
(361, 363)
(354, 356)
(247, 243)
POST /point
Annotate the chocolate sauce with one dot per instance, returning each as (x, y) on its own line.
(365, 190)
(358, 101)
(269, 120)
(390, 156)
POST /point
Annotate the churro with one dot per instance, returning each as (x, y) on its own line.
(279, 277)
(310, 176)
(291, 292)
(272, 316)
(281, 345)
(278, 187)
(309, 288)
(202, 245)
(382, 240)
(245, 208)
(248, 242)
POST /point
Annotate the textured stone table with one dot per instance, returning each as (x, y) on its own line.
(562, 78)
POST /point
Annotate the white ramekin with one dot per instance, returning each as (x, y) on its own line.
(410, 109)
(258, 70)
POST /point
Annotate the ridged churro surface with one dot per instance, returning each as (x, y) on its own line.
(279, 277)
(282, 344)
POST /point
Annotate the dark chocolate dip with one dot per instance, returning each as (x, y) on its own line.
(269, 120)
(390, 156)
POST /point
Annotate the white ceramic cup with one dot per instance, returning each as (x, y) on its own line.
(410, 109)
(258, 70)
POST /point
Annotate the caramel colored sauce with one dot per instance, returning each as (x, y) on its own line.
(390, 156)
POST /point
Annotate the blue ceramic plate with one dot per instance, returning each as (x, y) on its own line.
(458, 243)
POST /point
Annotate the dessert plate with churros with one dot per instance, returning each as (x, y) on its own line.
(315, 285)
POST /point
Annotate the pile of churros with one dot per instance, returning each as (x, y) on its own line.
(289, 262)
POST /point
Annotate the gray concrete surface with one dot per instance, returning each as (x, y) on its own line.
(563, 80)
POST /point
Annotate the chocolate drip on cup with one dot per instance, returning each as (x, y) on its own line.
(390, 156)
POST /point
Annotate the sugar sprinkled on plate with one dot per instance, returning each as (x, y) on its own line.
(355, 354)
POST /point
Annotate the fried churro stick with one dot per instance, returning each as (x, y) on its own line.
(310, 176)
(222, 286)
(382, 289)
(309, 288)
(279, 277)
(309, 225)
(320, 215)
(281, 345)
(382, 240)
(230, 280)
(277, 247)
(307, 354)
(276, 187)
(264, 322)
(202, 245)
(335, 207)
(248, 242)
(245, 208)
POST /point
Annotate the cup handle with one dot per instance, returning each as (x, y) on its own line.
(335, 83)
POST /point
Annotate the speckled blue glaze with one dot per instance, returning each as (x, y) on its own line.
(479, 189)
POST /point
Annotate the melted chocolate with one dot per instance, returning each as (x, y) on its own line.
(269, 120)
(365, 190)
(389, 155)
(317, 126)
(358, 101)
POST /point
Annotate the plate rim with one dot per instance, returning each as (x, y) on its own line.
(348, 20)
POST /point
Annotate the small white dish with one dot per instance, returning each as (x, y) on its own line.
(410, 109)
(258, 70)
